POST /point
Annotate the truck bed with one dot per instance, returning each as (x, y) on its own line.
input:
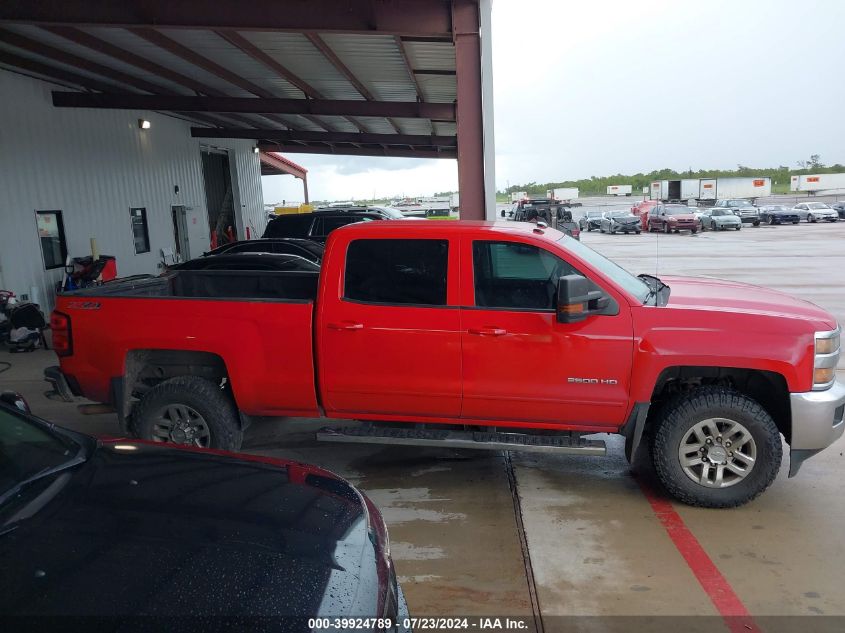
(266, 346)
(250, 285)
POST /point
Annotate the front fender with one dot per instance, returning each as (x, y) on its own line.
(702, 342)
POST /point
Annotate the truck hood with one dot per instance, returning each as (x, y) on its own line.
(731, 296)
(165, 532)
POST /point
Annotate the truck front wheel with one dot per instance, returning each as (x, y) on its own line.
(191, 411)
(715, 448)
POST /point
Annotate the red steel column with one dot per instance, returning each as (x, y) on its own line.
(465, 23)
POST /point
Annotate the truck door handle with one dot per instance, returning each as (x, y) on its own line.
(488, 331)
(346, 325)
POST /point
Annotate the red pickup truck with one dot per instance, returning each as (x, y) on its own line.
(490, 335)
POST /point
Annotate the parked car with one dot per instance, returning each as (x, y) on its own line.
(720, 220)
(479, 307)
(839, 207)
(816, 212)
(672, 218)
(117, 530)
(249, 261)
(316, 226)
(746, 211)
(590, 221)
(778, 214)
(619, 222)
(385, 213)
(308, 249)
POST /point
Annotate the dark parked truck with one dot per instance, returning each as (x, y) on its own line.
(470, 334)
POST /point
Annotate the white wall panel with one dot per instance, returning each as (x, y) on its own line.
(94, 165)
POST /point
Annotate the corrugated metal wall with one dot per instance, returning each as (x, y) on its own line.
(94, 165)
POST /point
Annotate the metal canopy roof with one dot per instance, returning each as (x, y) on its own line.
(358, 77)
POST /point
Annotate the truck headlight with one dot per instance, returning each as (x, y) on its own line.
(826, 359)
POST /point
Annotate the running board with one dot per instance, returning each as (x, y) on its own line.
(491, 441)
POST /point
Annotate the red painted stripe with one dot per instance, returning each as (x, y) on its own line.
(715, 585)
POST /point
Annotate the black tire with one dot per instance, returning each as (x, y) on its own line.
(682, 413)
(638, 232)
(738, 227)
(811, 218)
(666, 229)
(693, 231)
(756, 223)
(213, 404)
(796, 222)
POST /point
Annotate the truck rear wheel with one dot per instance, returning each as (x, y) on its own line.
(715, 448)
(191, 411)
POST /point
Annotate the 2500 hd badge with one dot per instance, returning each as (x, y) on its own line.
(592, 381)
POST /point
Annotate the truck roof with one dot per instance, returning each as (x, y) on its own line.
(450, 227)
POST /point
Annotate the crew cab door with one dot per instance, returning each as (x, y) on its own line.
(519, 363)
(389, 329)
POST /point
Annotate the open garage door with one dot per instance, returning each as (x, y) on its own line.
(219, 196)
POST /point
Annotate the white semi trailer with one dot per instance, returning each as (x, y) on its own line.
(709, 189)
(619, 190)
(565, 193)
(685, 189)
(516, 196)
(818, 183)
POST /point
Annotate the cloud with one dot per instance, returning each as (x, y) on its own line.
(371, 178)
(613, 86)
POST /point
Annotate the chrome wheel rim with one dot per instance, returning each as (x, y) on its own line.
(717, 453)
(181, 424)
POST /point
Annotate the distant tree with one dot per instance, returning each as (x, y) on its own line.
(815, 161)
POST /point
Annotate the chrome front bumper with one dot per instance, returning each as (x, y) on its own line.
(818, 420)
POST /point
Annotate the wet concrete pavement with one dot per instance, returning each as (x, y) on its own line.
(595, 544)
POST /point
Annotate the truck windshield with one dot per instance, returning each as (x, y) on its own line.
(621, 277)
(741, 203)
(677, 211)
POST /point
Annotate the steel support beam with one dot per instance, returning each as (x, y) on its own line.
(107, 48)
(191, 56)
(325, 137)
(248, 105)
(68, 77)
(248, 48)
(469, 114)
(287, 148)
(343, 69)
(414, 18)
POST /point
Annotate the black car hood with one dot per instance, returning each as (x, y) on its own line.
(149, 530)
(626, 219)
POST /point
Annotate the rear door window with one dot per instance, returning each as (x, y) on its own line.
(289, 226)
(397, 272)
(324, 226)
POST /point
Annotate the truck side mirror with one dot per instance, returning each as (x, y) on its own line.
(572, 298)
(575, 300)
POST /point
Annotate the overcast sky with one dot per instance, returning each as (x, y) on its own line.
(614, 86)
